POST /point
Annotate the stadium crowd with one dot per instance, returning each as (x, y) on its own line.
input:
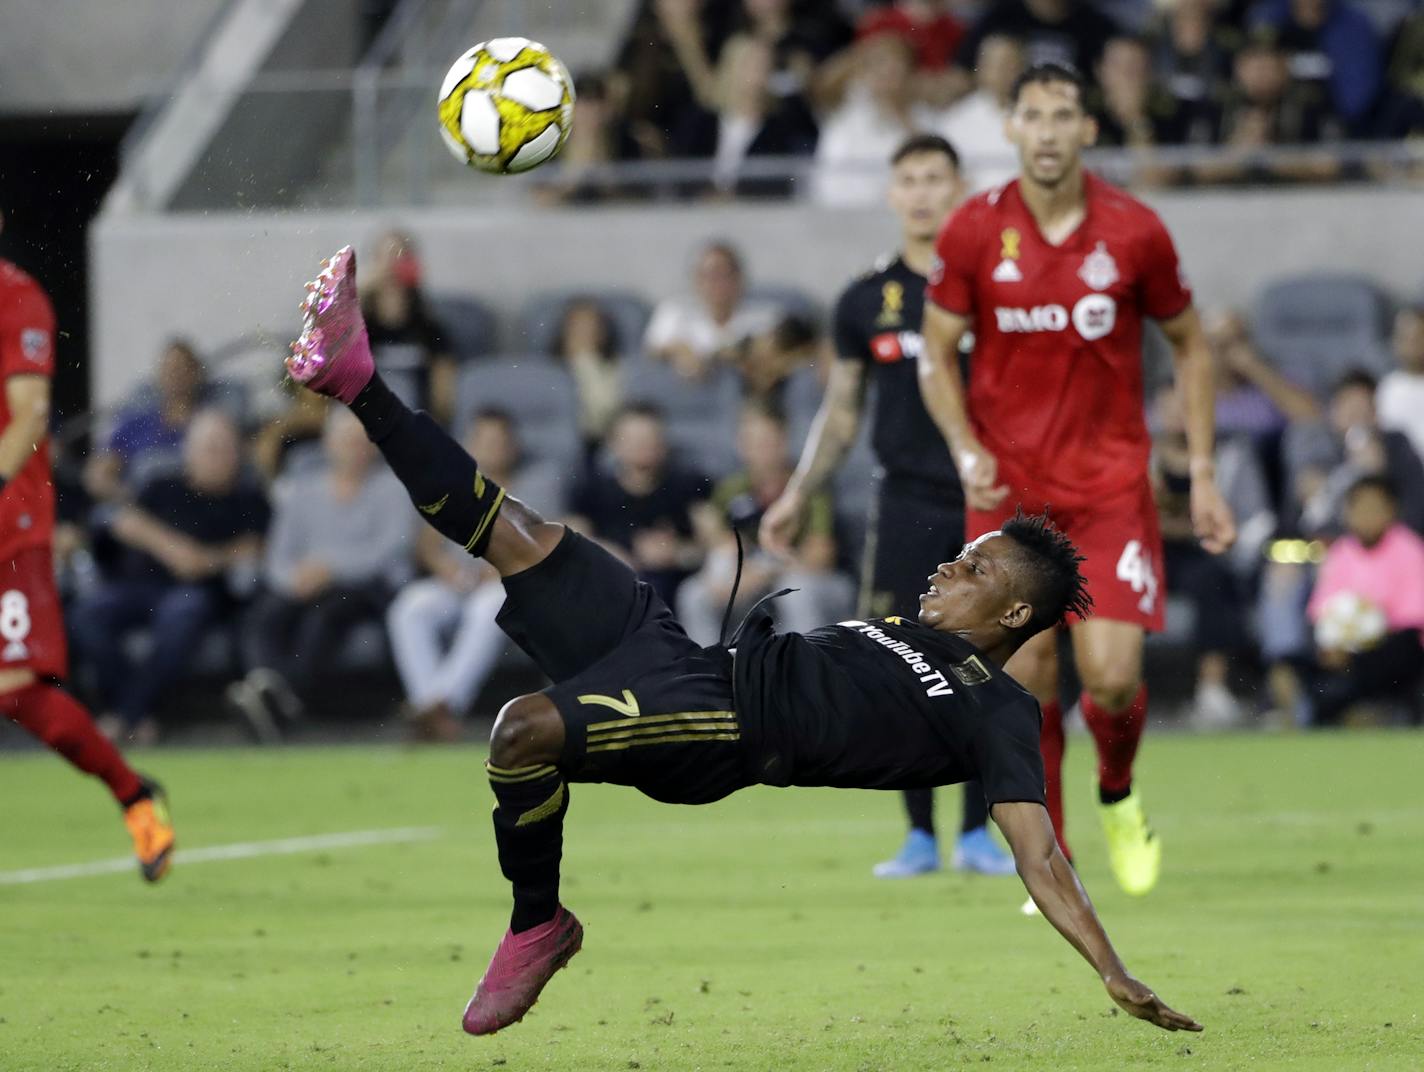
(738, 82)
(265, 545)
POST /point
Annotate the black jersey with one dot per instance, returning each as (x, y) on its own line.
(884, 704)
(877, 321)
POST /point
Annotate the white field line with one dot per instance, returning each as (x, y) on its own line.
(242, 850)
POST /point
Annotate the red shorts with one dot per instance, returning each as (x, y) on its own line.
(31, 620)
(1120, 541)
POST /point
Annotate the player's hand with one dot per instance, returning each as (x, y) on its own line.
(1211, 517)
(780, 522)
(1136, 998)
(979, 473)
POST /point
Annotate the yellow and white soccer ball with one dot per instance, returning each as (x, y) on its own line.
(1349, 622)
(506, 106)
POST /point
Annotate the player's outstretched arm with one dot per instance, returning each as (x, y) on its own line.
(1196, 383)
(1055, 888)
(942, 389)
(832, 435)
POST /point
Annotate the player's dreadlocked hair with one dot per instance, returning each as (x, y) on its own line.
(1056, 586)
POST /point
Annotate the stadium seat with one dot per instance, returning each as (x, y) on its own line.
(790, 299)
(1317, 327)
(536, 390)
(538, 329)
(473, 327)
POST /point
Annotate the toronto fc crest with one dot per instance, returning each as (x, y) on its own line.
(1099, 269)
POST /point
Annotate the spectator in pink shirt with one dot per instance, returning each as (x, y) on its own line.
(1368, 606)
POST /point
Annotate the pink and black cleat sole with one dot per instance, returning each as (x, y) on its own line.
(332, 356)
(572, 943)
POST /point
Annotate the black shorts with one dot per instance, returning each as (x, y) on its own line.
(914, 526)
(642, 704)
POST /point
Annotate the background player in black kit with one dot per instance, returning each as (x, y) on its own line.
(918, 515)
(883, 704)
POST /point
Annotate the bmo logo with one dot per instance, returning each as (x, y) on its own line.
(1039, 318)
(1093, 317)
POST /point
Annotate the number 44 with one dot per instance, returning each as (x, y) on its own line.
(1134, 567)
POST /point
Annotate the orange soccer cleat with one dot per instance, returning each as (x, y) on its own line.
(152, 830)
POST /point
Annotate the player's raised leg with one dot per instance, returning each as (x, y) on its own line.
(1114, 705)
(63, 725)
(333, 357)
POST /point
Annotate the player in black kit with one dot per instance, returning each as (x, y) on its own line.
(887, 704)
(919, 507)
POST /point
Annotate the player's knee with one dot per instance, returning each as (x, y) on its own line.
(527, 731)
(1111, 685)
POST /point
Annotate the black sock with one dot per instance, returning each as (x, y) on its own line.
(1112, 796)
(919, 805)
(529, 833)
(442, 480)
(976, 808)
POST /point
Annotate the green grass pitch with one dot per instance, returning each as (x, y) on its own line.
(746, 935)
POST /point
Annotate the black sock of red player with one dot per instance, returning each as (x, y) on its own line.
(529, 834)
(59, 720)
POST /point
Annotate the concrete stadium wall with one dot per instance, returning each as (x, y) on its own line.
(217, 277)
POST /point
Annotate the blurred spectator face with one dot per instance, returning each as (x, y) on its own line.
(639, 442)
(761, 442)
(1309, 14)
(1124, 73)
(344, 443)
(396, 259)
(923, 189)
(744, 75)
(887, 64)
(718, 278)
(493, 441)
(1261, 74)
(180, 373)
(1050, 128)
(1369, 512)
(766, 12)
(999, 62)
(1408, 339)
(212, 453)
(1190, 25)
(1352, 406)
(584, 329)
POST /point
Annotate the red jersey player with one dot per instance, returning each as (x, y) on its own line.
(32, 646)
(1055, 274)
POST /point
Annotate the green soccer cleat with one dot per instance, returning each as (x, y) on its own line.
(1133, 848)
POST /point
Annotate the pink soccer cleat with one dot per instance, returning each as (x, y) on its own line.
(520, 968)
(333, 354)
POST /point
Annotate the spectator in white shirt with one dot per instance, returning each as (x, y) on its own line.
(865, 118)
(1400, 398)
(692, 333)
(975, 124)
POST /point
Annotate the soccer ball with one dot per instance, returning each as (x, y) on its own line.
(1349, 622)
(506, 106)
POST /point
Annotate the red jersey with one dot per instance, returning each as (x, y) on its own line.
(1055, 383)
(26, 349)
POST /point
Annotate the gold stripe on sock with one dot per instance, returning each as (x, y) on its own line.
(488, 520)
(519, 774)
(672, 738)
(435, 507)
(656, 720)
(544, 810)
